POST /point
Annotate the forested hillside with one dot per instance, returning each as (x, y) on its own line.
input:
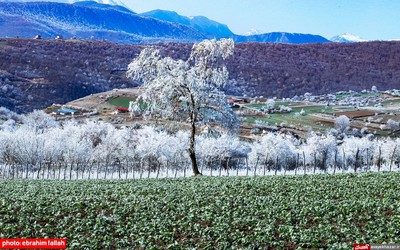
(37, 73)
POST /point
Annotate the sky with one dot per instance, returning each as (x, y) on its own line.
(369, 19)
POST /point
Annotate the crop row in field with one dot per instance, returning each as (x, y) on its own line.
(312, 211)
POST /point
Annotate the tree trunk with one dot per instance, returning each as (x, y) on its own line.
(48, 170)
(315, 161)
(285, 166)
(335, 163)
(391, 158)
(220, 167)
(227, 168)
(105, 170)
(379, 160)
(98, 169)
(77, 171)
(237, 167)
(202, 166)
(192, 151)
(27, 171)
(38, 173)
(12, 171)
(90, 169)
(59, 171)
(128, 167)
(357, 160)
(257, 162)
(265, 165)
(65, 170)
(119, 170)
(247, 169)
(70, 170)
(247, 163)
(344, 161)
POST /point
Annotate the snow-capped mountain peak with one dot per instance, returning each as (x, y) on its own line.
(347, 38)
(252, 32)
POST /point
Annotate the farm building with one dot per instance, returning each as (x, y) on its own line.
(232, 100)
(64, 111)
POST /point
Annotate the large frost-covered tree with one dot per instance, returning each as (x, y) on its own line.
(186, 90)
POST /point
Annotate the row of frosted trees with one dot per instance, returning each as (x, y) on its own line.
(324, 153)
(40, 148)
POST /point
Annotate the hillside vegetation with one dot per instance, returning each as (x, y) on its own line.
(36, 73)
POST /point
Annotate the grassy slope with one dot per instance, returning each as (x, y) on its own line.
(207, 212)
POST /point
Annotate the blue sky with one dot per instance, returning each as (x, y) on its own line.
(369, 19)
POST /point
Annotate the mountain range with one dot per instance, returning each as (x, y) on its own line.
(110, 20)
(200, 23)
(88, 20)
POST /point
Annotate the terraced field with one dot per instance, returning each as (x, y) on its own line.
(319, 117)
(285, 212)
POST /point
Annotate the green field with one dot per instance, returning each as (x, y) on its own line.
(277, 104)
(390, 102)
(291, 212)
(341, 96)
(122, 101)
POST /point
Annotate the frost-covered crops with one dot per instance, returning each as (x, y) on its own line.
(326, 211)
